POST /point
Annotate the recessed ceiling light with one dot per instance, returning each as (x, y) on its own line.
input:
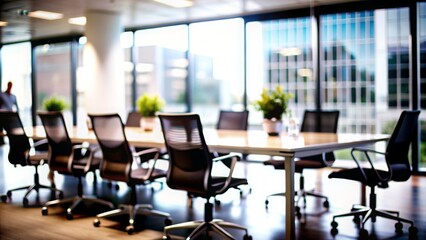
(3, 24)
(77, 21)
(45, 15)
(176, 3)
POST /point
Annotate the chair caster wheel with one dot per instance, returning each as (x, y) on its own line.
(326, 204)
(334, 232)
(25, 202)
(297, 209)
(69, 216)
(96, 223)
(167, 237)
(398, 227)
(266, 203)
(3, 198)
(363, 234)
(356, 219)
(168, 222)
(61, 195)
(247, 237)
(412, 232)
(9, 194)
(44, 211)
(117, 187)
(130, 230)
(217, 202)
(334, 224)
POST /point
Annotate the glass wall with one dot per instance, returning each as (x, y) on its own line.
(162, 66)
(217, 67)
(16, 68)
(53, 75)
(279, 52)
(365, 68)
(422, 66)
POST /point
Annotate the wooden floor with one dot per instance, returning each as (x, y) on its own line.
(17, 222)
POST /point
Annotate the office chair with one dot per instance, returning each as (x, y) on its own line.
(399, 170)
(190, 170)
(68, 159)
(117, 165)
(133, 119)
(230, 120)
(313, 121)
(21, 152)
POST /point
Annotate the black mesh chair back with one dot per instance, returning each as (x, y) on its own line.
(116, 165)
(20, 153)
(320, 121)
(190, 161)
(60, 145)
(399, 170)
(233, 120)
(190, 169)
(117, 156)
(18, 140)
(133, 119)
(399, 146)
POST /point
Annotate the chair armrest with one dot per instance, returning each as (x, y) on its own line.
(73, 158)
(148, 151)
(234, 158)
(40, 142)
(366, 152)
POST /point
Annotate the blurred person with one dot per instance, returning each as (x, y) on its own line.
(8, 99)
(7, 103)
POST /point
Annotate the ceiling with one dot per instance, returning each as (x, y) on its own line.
(135, 13)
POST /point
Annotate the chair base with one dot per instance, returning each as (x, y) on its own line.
(34, 187)
(200, 227)
(75, 201)
(132, 211)
(301, 195)
(371, 214)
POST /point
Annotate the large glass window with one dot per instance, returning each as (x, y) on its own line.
(279, 52)
(53, 74)
(422, 66)
(365, 68)
(16, 68)
(161, 64)
(217, 67)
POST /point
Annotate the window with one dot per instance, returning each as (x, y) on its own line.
(217, 67)
(12, 56)
(366, 74)
(279, 52)
(53, 74)
(161, 64)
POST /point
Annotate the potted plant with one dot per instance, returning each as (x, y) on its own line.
(273, 104)
(148, 105)
(54, 103)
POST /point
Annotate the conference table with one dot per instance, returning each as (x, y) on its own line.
(247, 142)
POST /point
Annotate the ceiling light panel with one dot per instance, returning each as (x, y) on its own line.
(45, 15)
(176, 3)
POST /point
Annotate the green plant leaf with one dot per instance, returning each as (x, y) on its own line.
(273, 104)
(148, 105)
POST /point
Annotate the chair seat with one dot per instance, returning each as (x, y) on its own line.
(80, 164)
(356, 175)
(37, 158)
(140, 175)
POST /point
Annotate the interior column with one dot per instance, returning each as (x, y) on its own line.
(103, 60)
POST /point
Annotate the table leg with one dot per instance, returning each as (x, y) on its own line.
(290, 229)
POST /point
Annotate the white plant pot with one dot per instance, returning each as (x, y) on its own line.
(148, 123)
(272, 126)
